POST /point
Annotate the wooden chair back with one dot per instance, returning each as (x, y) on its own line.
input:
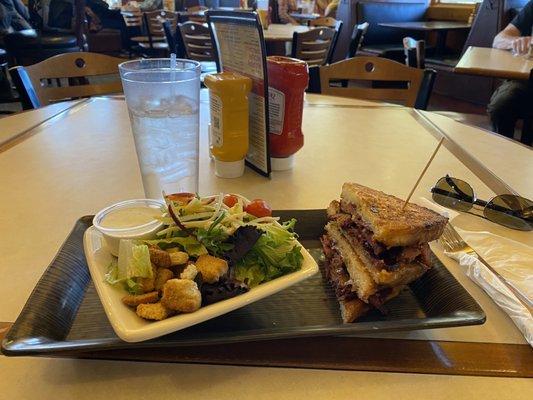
(197, 41)
(371, 69)
(132, 18)
(313, 46)
(415, 52)
(328, 22)
(65, 76)
(358, 34)
(154, 22)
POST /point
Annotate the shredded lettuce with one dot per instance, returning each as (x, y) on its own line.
(276, 253)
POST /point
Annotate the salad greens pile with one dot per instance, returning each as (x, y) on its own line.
(213, 223)
(257, 249)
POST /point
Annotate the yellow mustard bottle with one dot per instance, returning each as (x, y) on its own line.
(228, 103)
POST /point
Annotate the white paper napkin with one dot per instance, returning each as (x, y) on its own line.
(512, 259)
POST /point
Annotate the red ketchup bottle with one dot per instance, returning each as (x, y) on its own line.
(287, 80)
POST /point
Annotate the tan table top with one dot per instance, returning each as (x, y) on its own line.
(495, 63)
(80, 163)
(19, 124)
(282, 32)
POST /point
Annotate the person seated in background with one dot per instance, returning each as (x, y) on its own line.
(326, 8)
(108, 18)
(285, 7)
(14, 16)
(512, 100)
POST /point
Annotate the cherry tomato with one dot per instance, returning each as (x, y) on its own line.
(258, 208)
(181, 198)
(230, 200)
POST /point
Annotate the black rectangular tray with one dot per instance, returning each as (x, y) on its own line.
(64, 312)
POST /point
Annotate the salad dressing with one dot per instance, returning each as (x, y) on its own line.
(130, 217)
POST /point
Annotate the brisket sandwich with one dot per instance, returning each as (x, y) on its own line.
(373, 248)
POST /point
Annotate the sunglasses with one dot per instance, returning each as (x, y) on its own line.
(509, 210)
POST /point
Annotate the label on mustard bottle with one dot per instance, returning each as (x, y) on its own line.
(215, 106)
(276, 110)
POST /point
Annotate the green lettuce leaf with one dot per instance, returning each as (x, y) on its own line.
(189, 244)
(276, 253)
(133, 261)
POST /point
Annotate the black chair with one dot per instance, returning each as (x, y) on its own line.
(338, 29)
(28, 47)
(358, 34)
(175, 43)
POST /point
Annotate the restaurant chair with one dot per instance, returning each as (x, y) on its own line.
(314, 46)
(67, 76)
(153, 20)
(415, 52)
(197, 41)
(29, 46)
(365, 70)
(135, 24)
(175, 44)
(358, 34)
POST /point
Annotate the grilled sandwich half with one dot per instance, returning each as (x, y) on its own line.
(374, 248)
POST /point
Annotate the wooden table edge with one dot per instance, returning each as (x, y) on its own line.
(491, 73)
(341, 353)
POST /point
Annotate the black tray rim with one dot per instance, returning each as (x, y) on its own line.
(13, 347)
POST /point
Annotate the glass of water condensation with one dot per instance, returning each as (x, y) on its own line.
(163, 104)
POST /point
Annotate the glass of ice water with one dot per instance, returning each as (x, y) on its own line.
(163, 104)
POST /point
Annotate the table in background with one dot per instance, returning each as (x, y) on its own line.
(441, 27)
(85, 159)
(494, 63)
(304, 17)
(282, 32)
(278, 35)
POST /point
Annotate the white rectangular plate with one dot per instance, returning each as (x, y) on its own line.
(131, 328)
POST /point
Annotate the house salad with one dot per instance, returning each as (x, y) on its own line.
(210, 249)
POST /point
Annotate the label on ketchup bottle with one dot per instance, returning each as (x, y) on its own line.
(276, 110)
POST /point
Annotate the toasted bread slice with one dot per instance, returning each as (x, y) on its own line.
(391, 225)
(402, 275)
(362, 282)
(354, 309)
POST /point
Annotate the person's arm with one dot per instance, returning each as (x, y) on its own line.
(284, 9)
(510, 39)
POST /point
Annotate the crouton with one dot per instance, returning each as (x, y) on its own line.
(181, 295)
(134, 300)
(211, 268)
(178, 258)
(155, 311)
(148, 284)
(163, 275)
(159, 257)
(189, 272)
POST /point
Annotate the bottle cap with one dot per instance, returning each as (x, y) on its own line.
(282, 164)
(229, 169)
